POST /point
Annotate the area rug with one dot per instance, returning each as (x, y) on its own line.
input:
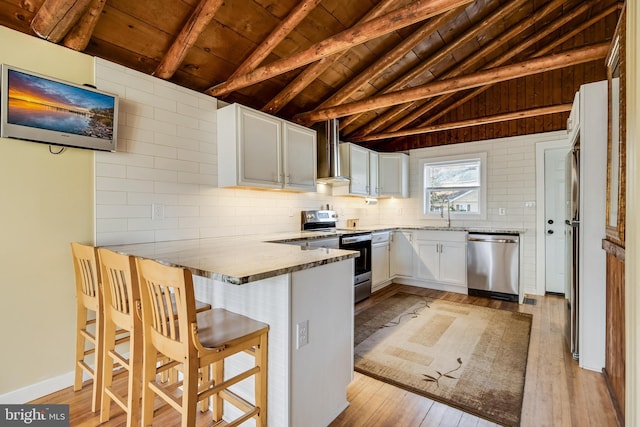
(469, 357)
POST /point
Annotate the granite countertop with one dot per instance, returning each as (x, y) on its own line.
(312, 235)
(243, 259)
(235, 260)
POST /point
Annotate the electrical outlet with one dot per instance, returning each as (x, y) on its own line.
(502, 211)
(157, 211)
(302, 333)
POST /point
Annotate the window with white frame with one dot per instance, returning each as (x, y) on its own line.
(456, 184)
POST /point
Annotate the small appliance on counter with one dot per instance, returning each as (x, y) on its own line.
(350, 239)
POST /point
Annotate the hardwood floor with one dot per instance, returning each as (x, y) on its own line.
(557, 392)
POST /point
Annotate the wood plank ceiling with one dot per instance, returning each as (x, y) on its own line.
(398, 74)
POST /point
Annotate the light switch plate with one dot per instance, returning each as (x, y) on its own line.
(302, 333)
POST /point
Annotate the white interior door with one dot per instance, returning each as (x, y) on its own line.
(554, 202)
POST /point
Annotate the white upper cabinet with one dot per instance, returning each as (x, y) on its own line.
(361, 166)
(393, 177)
(373, 174)
(259, 150)
(354, 163)
(299, 157)
(374, 167)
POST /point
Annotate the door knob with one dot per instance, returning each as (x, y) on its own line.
(550, 222)
(549, 231)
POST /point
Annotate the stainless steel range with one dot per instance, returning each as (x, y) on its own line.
(350, 239)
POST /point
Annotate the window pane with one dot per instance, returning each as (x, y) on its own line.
(458, 200)
(462, 174)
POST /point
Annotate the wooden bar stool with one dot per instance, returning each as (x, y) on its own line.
(120, 297)
(121, 308)
(88, 331)
(200, 342)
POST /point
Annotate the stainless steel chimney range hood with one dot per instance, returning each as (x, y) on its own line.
(329, 153)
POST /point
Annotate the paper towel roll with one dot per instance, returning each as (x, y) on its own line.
(371, 201)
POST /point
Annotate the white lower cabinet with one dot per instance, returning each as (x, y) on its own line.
(433, 259)
(401, 262)
(380, 251)
(441, 257)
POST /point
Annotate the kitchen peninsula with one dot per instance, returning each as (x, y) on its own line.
(287, 287)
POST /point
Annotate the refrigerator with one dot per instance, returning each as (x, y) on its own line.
(572, 238)
(585, 228)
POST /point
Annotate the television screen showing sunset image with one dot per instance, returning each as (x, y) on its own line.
(46, 104)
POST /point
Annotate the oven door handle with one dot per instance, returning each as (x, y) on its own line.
(355, 239)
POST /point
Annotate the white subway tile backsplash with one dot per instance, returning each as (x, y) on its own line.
(111, 197)
(152, 174)
(122, 211)
(119, 184)
(196, 178)
(140, 100)
(122, 237)
(123, 158)
(134, 133)
(111, 225)
(175, 165)
(179, 94)
(177, 234)
(111, 170)
(194, 133)
(175, 118)
(195, 156)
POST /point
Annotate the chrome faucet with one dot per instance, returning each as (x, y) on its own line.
(448, 211)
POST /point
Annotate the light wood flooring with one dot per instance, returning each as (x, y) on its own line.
(557, 392)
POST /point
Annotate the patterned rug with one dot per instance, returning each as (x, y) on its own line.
(469, 357)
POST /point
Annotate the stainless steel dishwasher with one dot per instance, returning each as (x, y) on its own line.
(493, 265)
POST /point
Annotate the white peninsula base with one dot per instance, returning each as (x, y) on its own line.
(307, 385)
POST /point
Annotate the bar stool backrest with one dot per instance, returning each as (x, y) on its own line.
(165, 325)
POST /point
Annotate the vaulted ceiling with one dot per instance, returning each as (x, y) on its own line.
(398, 74)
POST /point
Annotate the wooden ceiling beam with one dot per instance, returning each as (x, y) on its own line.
(277, 35)
(469, 81)
(55, 18)
(404, 80)
(199, 19)
(79, 36)
(523, 114)
(391, 57)
(432, 118)
(412, 13)
(558, 23)
(469, 64)
(314, 70)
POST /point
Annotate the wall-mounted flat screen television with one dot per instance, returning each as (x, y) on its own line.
(44, 109)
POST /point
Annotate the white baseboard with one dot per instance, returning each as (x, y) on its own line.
(34, 391)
